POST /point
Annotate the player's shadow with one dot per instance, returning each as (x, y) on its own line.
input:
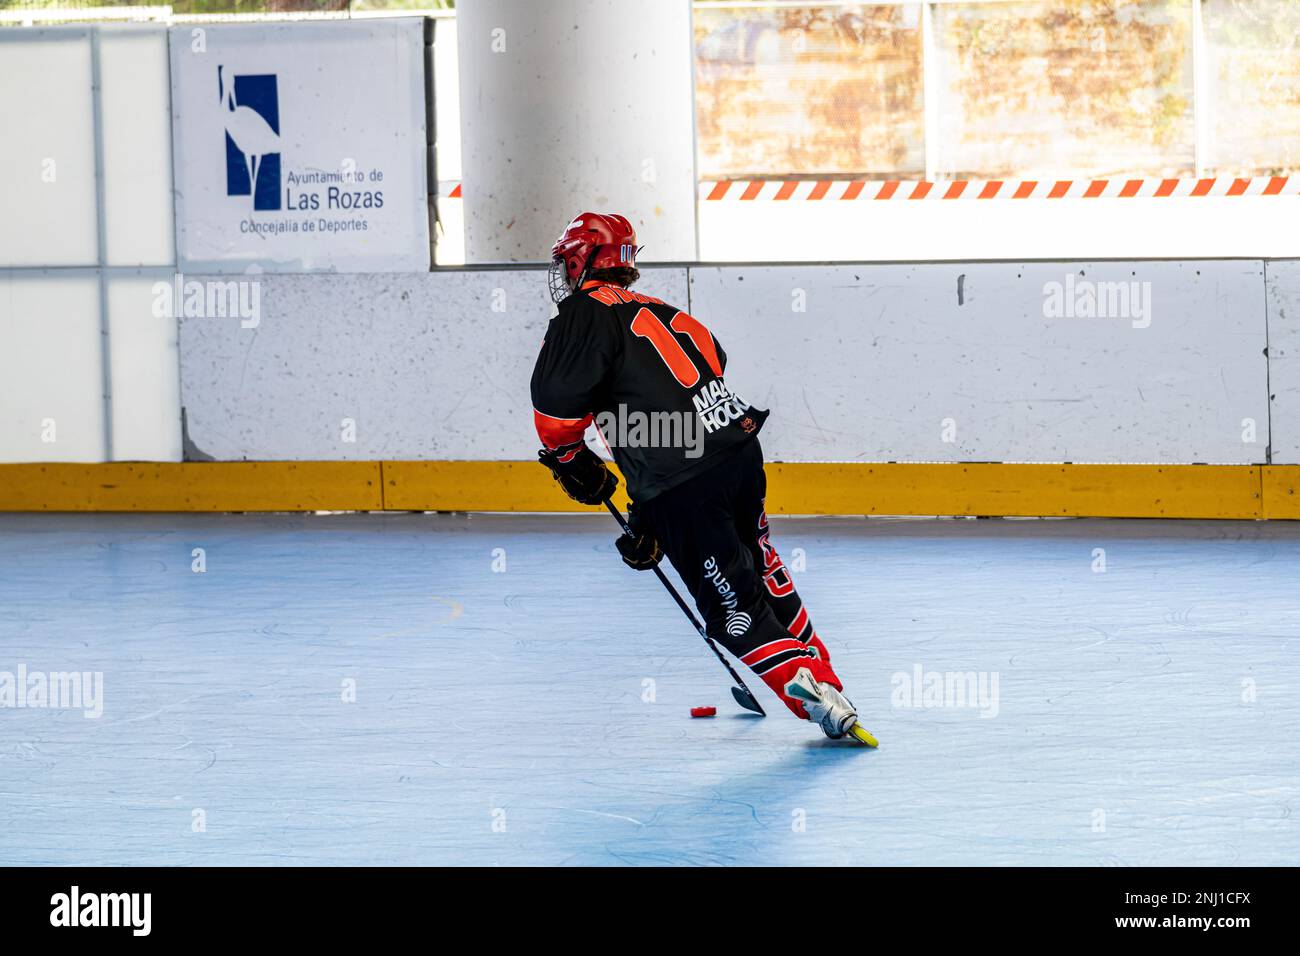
(751, 819)
(818, 742)
(846, 745)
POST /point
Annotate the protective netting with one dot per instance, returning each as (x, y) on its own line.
(1035, 88)
(809, 91)
(193, 7)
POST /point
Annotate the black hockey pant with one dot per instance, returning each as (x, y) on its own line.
(714, 530)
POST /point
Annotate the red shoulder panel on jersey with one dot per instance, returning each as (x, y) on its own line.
(558, 432)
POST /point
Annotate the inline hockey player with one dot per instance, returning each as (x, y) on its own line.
(642, 369)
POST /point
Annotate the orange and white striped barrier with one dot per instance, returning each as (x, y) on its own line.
(744, 190)
(837, 190)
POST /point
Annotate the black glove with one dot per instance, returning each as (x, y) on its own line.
(640, 549)
(583, 477)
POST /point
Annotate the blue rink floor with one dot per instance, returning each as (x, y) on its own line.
(538, 713)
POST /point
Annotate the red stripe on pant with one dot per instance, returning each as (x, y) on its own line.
(755, 658)
(803, 623)
(799, 623)
(777, 663)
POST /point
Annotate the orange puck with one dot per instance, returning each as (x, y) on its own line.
(704, 711)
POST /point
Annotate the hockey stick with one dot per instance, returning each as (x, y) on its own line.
(744, 697)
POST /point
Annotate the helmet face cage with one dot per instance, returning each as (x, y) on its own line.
(557, 279)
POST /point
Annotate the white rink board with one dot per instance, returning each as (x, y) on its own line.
(1284, 358)
(428, 366)
(900, 229)
(51, 366)
(889, 360)
(47, 163)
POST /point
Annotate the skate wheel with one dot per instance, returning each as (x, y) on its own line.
(860, 733)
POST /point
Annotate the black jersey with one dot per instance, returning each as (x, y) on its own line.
(650, 377)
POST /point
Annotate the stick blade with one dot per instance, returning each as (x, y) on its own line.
(745, 699)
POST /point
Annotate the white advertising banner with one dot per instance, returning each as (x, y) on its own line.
(300, 146)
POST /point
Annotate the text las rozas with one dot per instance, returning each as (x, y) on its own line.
(335, 198)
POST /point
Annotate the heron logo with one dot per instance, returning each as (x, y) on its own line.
(250, 110)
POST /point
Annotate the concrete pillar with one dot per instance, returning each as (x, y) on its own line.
(576, 105)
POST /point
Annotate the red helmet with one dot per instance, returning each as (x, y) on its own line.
(592, 241)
